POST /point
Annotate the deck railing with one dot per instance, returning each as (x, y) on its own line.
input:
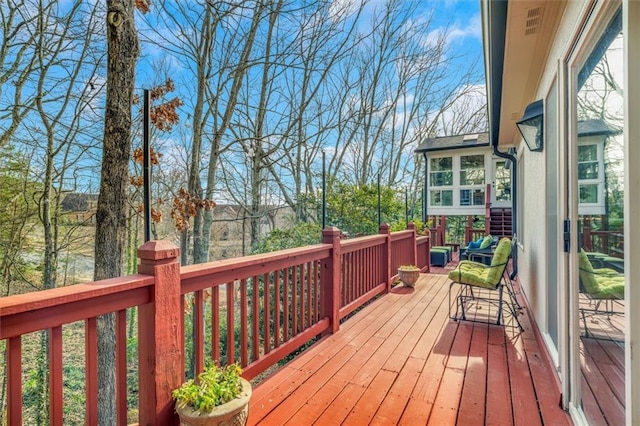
(254, 310)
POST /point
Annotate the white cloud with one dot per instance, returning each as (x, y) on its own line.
(457, 31)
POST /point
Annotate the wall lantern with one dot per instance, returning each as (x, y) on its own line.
(531, 124)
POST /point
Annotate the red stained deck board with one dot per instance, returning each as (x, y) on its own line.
(407, 314)
(445, 407)
(590, 406)
(342, 405)
(367, 405)
(544, 383)
(418, 330)
(306, 390)
(406, 355)
(393, 405)
(523, 397)
(472, 402)
(424, 393)
(596, 357)
(260, 407)
(316, 404)
(615, 350)
(498, 387)
(609, 405)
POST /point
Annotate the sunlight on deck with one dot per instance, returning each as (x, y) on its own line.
(401, 360)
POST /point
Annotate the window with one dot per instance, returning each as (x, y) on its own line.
(441, 171)
(588, 162)
(441, 198)
(502, 180)
(471, 197)
(589, 194)
(590, 178)
(441, 175)
(472, 170)
(472, 174)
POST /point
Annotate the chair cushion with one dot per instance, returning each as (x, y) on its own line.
(604, 283)
(445, 248)
(499, 260)
(474, 244)
(610, 287)
(471, 273)
(486, 242)
(481, 275)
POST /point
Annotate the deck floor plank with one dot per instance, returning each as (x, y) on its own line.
(499, 412)
(445, 407)
(472, 402)
(394, 404)
(523, 398)
(401, 360)
(367, 405)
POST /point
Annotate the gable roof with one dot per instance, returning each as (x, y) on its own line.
(77, 202)
(596, 126)
(453, 142)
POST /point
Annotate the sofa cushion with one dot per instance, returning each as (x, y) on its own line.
(486, 242)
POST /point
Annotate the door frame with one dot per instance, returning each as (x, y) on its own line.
(588, 33)
(494, 169)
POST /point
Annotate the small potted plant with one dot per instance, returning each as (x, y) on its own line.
(217, 396)
(408, 274)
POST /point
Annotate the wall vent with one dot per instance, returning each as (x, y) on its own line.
(534, 16)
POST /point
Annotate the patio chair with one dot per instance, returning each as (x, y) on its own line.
(599, 285)
(602, 260)
(479, 283)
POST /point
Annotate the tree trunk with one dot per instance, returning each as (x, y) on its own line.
(111, 221)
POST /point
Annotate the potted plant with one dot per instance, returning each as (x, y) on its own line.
(408, 274)
(217, 396)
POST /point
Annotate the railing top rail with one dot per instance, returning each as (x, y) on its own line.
(225, 270)
(29, 312)
(421, 239)
(362, 242)
(617, 233)
(11, 305)
(401, 235)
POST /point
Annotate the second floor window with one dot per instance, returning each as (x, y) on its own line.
(472, 170)
(441, 171)
(588, 173)
(472, 180)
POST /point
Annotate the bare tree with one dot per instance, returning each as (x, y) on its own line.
(20, 30)
(111, 220)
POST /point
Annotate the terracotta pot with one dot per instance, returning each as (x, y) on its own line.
(233, 413)
(409, 278)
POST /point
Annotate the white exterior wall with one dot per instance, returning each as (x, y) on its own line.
(532, 258)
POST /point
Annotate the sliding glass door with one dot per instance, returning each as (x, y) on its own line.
(596, 176)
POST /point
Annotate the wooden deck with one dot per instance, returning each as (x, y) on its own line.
(402, 361)
(602, 357)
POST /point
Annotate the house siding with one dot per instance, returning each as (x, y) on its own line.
(533, 250)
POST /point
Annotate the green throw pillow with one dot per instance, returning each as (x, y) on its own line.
(486, 242)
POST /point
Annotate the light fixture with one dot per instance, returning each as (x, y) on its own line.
(531, 125)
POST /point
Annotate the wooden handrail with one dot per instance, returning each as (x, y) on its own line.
(297, 293)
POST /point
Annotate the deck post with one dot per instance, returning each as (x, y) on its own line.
(160, 353)
(385, 229)
(412, 226)
(331, 278)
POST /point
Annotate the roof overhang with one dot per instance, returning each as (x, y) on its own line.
(517, 38)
